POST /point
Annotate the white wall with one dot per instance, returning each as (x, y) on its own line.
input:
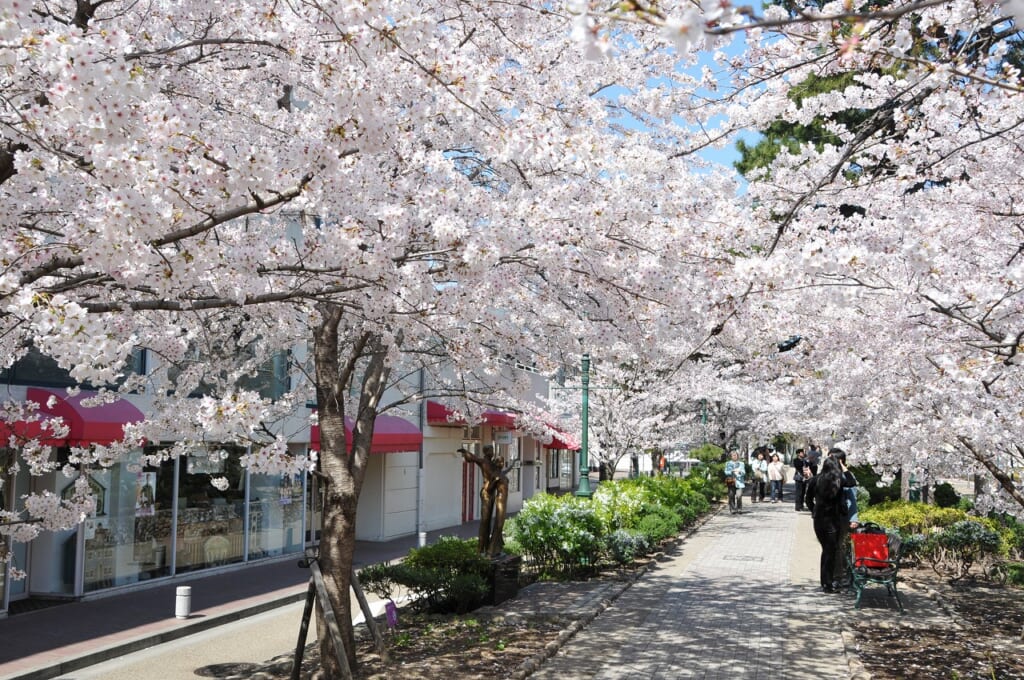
(399, 494)
(370, 511)
(387, 504)
(442, 506)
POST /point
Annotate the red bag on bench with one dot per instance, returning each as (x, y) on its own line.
(870, 550)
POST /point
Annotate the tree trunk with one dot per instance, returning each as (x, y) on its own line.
(337, 547)
(343, 467)
(1002, 478)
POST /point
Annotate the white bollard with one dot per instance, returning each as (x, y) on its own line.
(183, 602)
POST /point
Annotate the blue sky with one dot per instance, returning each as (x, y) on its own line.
(725, 156)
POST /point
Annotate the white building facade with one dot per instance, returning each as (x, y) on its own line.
(156, 523)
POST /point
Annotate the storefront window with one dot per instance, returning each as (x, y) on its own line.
(510, 453)
(565, 479)
(128, 539)
(210, 521)
(275, 515)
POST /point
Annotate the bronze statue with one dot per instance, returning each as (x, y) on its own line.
(493, 499)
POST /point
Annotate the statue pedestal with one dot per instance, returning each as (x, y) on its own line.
(504, 578)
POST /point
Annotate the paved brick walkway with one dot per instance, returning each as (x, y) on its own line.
(738, 599)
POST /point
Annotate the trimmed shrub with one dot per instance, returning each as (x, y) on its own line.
(946, 496)
(560, 536)
(1015, 573)
(625, 546)
(1012, 531)
(706, 480)
(623, 504)
(915, 548)
(566, 536)
(910, 517)
(619, 504)
(658, 523)
(964, 543)
(447, 576)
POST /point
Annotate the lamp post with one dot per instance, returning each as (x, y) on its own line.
(584, 488)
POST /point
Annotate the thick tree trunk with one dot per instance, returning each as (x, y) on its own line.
(344, 467)
(337, 547)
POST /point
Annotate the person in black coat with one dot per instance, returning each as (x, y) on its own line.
(850, 517)
(801, 475)
(828, 507)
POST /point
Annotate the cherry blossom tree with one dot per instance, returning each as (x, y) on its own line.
(883, 223)
(891, 240)
(402, 188)
(452, 189)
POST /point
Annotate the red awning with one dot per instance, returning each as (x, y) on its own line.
(440, 415)
(24, 431)
(102, 424)
(561, 440)
(391, 434)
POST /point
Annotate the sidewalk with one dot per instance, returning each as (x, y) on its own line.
(57, 640)
(736, 599)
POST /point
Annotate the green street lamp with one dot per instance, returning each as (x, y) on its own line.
(584, 488)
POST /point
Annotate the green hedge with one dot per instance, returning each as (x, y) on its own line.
(911, 517)
(447, 576)
(567, 536)
(949, 540)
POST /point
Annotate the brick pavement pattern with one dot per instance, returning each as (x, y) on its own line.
(720, 606)
(736, 598)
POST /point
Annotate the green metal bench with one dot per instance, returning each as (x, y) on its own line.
(874, 558)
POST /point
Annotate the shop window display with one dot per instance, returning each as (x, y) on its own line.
(211, 521)
(128, 538)
(275, 515)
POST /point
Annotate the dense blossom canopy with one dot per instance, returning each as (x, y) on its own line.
(485, 182)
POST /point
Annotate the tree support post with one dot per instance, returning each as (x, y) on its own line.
(318, 591)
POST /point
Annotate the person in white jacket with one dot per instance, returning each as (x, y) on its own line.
(776, 478)
(759, 466)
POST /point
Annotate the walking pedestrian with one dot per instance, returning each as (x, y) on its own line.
(828, 507)
(801, 474)
(776, 478)
(759, 467)
(735, 473)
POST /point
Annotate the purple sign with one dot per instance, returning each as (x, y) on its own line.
(391, 611)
